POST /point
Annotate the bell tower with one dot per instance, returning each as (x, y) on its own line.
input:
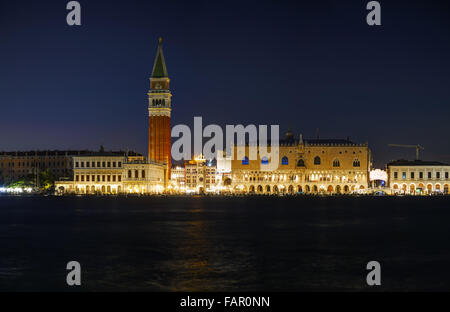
(159, 109)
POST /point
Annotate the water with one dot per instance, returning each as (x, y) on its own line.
(224, 243)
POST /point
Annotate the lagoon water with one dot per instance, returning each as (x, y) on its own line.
(224, 243)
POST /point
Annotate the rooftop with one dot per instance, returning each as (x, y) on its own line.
(42, 153)
(404, 162)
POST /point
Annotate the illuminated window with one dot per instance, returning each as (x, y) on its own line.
(245, 160)
(403, 175)
(284, 161)
(264, 161)
(317, 160)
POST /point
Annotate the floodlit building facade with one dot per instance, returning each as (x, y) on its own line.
(113, 173)
(304, 166)
(418, 177)
(177, 182)
(197, 176)
(144, 177)
(200, 175)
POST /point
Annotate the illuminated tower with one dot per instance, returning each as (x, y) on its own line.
(159, 107)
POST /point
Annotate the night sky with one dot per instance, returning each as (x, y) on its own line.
(302, 66)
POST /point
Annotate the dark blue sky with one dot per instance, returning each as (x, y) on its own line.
(301, 65)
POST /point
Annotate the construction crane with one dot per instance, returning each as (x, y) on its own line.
(417, 147)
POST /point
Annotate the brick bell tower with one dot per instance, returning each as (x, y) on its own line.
(159, 108)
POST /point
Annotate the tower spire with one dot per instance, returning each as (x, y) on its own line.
(159, 66)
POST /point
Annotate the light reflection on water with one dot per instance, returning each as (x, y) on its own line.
(224, 244)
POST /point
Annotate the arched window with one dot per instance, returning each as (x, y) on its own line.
(300, 163)
(336, 163)
(245, 160)
(284, 161)
(143, 174)
(356, 163)
(129, 174)
(136, 174)
(317, 160)
(264, 161)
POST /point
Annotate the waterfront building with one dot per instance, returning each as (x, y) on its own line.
(177, 179)
(159, 109)
(29, 164)
(418, 177)
(200, 176)
(327, 166)
(113, 173)
(144, 177)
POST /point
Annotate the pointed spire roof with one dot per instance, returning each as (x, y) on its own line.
(159, 66)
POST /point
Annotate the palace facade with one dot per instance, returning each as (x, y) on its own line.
(304, 166)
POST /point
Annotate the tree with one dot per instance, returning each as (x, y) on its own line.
(22, 183)
(46, 179)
